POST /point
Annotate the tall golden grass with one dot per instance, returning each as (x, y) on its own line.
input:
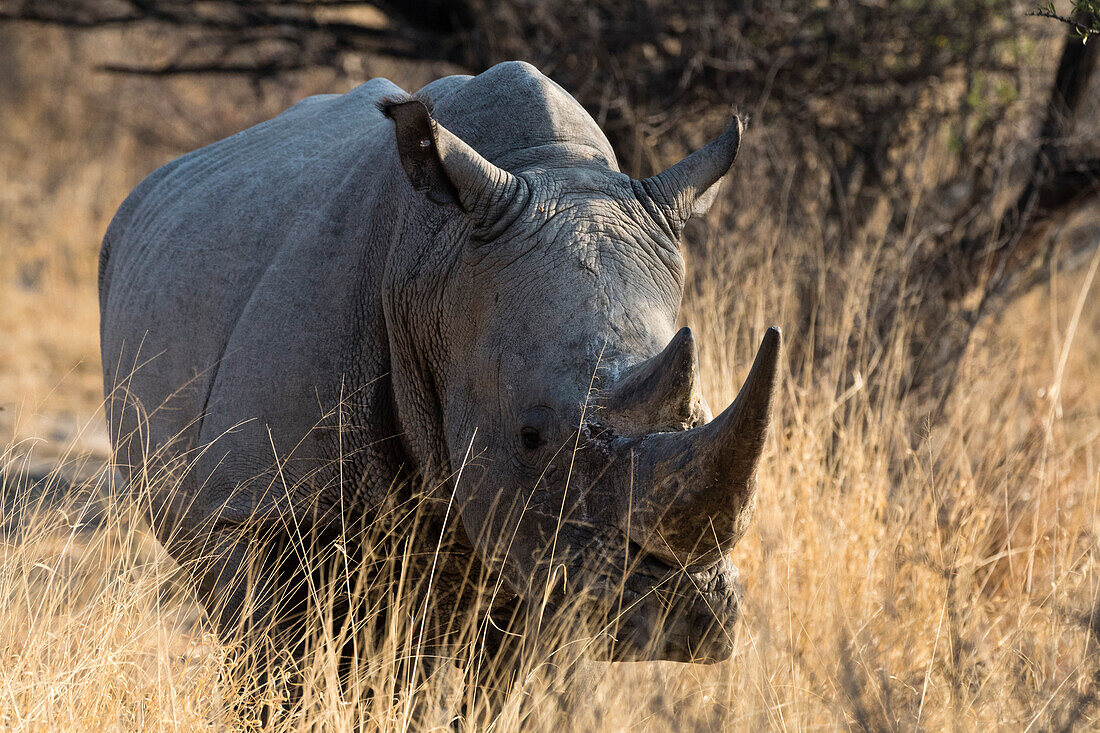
(899, 575)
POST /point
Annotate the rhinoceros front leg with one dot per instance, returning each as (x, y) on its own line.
(505, 652)
(255, 586)
(512, 648)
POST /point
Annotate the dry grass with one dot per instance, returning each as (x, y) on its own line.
(897, 577)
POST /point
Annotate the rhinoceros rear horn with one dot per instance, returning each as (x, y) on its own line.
(445, 168)
(700, 484)
(662, 392)
(690, 187)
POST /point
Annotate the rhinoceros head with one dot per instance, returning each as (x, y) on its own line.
(544, 357)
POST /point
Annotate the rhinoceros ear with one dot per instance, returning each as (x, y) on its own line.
(690, 187)
(417, 149)
(445, 168)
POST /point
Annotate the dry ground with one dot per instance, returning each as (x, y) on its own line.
(895, 577)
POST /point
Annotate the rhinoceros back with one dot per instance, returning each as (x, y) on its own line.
(226, 276)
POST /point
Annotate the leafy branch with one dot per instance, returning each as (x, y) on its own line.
(1085, 18)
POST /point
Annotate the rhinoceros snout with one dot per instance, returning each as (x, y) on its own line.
(687, 618)
(711, 635)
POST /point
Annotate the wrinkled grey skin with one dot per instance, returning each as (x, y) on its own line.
(515, 304)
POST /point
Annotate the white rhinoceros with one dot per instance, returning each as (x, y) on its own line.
(456, 289)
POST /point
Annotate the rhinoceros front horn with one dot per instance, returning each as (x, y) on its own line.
(695, 490)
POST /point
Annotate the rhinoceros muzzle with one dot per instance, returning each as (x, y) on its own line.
(682, 497)
(680, 616)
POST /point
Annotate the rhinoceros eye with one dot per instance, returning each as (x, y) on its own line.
(530, 437)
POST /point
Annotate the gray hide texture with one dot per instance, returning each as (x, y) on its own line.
(297, 316)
